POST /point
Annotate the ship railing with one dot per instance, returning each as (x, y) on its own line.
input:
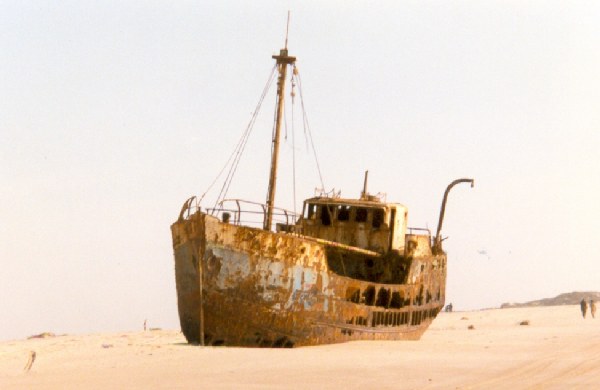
(248, 213)
(419, 231)
(333, 194)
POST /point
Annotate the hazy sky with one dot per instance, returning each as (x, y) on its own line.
(112, 113)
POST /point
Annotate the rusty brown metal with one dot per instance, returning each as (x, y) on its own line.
(282, 289)
(346, 269)
(438, 237)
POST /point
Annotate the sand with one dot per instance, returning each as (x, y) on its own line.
(557, 350)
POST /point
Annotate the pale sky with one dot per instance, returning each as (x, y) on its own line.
(113, 113)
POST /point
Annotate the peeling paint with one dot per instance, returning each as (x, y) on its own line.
(262, 288)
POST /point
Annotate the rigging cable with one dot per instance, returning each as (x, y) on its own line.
(234, 166)
(293, 94)
(237, 152)
(307, 127)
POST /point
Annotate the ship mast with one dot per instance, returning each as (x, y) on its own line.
(283, 60)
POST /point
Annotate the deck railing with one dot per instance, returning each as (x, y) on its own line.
(247, 213)
(416, 231)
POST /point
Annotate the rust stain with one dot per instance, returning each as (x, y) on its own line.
(347, 269)
(309, 284)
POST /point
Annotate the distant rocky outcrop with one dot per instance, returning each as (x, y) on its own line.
(571, 298)
(44, 335)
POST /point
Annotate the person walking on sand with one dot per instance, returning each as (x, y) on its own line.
(583, 305)
(593, 308)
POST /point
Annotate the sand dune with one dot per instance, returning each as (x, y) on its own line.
(558, 349)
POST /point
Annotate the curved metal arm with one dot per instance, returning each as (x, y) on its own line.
(438, 237)
(186, 208)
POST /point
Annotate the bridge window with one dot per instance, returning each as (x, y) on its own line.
(311, 210)
(343, 213)
(377, 218)
(361, 214)
(326, 214)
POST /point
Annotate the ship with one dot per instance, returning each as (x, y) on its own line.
(341, 270)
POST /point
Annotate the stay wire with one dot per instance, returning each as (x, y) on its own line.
(250, 127)
(293, 94)
(307, 128)
(237, 152)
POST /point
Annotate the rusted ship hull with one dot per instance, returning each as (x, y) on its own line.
(243, 286)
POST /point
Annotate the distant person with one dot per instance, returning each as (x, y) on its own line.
(449, 308)
(593, 308)
(583, 305)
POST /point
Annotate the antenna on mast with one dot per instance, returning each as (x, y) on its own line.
(287, 29)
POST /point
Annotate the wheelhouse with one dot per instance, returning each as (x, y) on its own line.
(367, 224)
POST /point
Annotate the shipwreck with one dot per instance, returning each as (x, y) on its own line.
(341, 270)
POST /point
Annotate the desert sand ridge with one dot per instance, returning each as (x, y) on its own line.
(557, 350)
